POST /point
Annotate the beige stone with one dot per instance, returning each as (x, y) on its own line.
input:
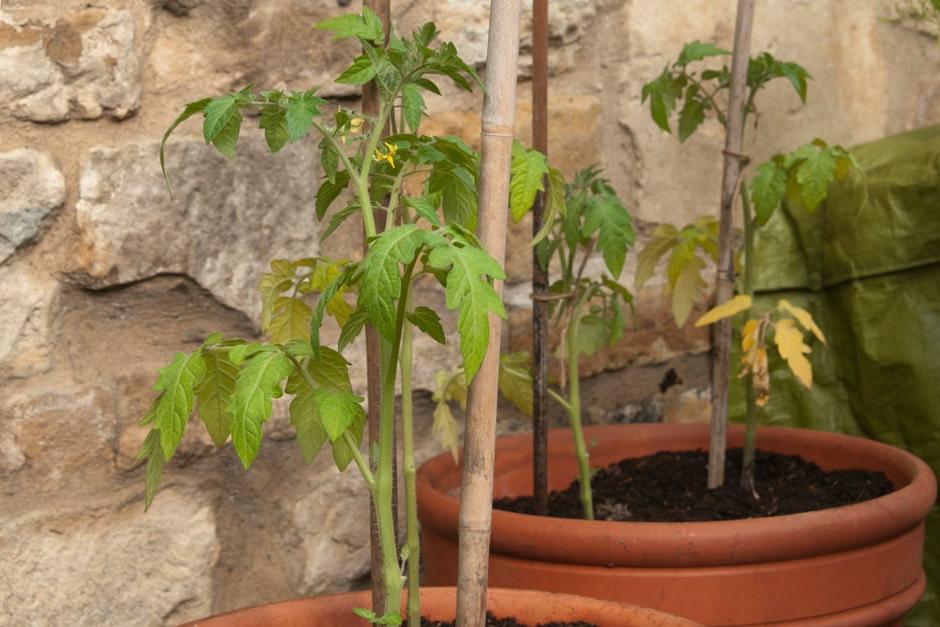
(31, 186)
(109, 565)
(28, 301)
(81, 64)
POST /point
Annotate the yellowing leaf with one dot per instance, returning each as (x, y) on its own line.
(686, 290)
(803, 317)
(790, 344)
(739, 303)
(446, 428)
(749, 334)
(755, 359)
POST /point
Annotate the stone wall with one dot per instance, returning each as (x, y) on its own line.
(103, 276)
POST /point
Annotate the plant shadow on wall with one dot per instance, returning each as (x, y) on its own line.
(231, 383)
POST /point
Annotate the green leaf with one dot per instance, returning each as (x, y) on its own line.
(338, 218)
(338, 409)
(413, 105)
(797, 75)
(814, 176)
(176, 383)
(290, 320)
(515, 380)
(664, 238)
(555, 203)
(189, 111)
(607, 214)
(258, 383)
(306, 420)
(366, 26)
(352, 328)
(424, 35)
(300, 111)
(381, 275)
(425, 207)
(227, 138)
(329, 159)
(527, 176)
(360, 72)
(427, 321)
(691, 116)
(593, 334)
(697, 50)
(768, 189)
(325, 302)
(274, 122)
(474, 297)
(152, 451)
(330, 369)
(218, 113)
(330, 191)
(214, 393)
(271, 285)
(342, 454)
(457, 188)
(688, 285)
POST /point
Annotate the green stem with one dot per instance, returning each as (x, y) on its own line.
(411, 500)
(383, 485)
(360, 180)
(560, 399)
(574, 410)
(750, 436)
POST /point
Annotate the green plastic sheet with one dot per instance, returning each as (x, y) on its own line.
(866, 264)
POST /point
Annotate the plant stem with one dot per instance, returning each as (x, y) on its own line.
(574, 410)
(391, 574)
(750, 436)
(409, 470)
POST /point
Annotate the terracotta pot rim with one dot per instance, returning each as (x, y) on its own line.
(612, 543)
(569, 607)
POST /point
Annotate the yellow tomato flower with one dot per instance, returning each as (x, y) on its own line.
(388, 156)
(355, 124)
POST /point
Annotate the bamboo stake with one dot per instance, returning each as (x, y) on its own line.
(539, 276)
(476, 495)
(721, 339)
(370, 106)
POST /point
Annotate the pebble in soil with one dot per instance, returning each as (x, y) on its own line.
(670, 487)
(492, 621)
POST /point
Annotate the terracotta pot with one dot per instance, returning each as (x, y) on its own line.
(854, 565)
(527, 606)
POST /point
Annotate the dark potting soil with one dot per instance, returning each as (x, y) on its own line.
(670, 487)
(492, 621)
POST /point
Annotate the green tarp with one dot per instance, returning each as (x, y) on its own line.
(867, 266)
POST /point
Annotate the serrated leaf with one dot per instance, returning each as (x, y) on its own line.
(360, 72)
(338, 219)
(413, 105)
(274, 122)
(290, 320)
(527, 176)
(555, 202)
(803, 317)
(515, 380)
(381, 274)
(768, 189)
(176, 383)
(327, 295)
(271, 285)
(330, 191)
(338, 409)
(605, 213)
(330, 369)
(468, 292)
(690, 118)
(214, 393)
(366, 26)
(688, 285)
(217, 113)
(665, 237)
(257, 384)
(342, 453)
(593, 334)
(303, 415)
(427, 321)
(299, 113)
(329, 159)
(736, 305)
(797, 76)
(697, 50)
(424, 207)
(352, 328)
(814, 176)
(457, 189)
(152, 450)
(226, 139)
(790, 345)
(189, 111)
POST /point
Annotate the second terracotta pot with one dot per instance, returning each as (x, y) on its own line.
(853, 565)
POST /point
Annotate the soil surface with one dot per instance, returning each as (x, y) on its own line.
(670, 487)
(492, 621)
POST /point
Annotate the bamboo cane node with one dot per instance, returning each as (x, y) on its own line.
(743, 158)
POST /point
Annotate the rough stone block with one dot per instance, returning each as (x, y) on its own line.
(31, 186)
